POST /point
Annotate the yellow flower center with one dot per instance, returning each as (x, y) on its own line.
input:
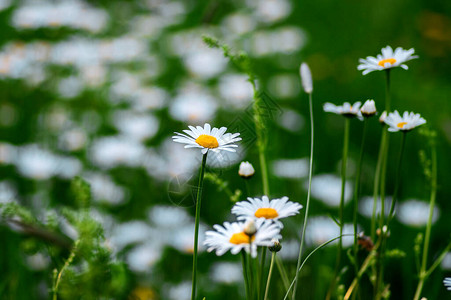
(207, 141)
(240, 238)
(391, 61)
(267, 213)
(401, 124)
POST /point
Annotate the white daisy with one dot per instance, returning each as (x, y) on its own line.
(387, 60)
(263, 208)
(231, 237)
(407, 122)
(447, 283)
(208, 139)
(346, 109)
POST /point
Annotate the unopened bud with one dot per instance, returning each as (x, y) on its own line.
(382, 117)
(368, 109)
(249, 228)
(276, 246)
(306, 78)
(246, 170)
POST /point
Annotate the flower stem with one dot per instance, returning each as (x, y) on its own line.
(376, 185)
(341, 209)
(312, 140)
(245, 274)
(398, 176)
(196, 227)
(261, 272)
(423, 275)
(273, 258)
(60, 273)
(356, 198)
(261, 143)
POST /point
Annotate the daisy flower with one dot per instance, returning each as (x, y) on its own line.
(407, 122)
(346, 109)
(368, 108)
(231, 237)
(246, 170)
(263, 208)
(447, 283)
(208, 139)
(387, 60)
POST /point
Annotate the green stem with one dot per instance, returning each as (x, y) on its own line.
(376, 185)
(398, 177)
(387, 91)
(438, 260)
(282, 272)
(273, 256)
(245, 274)
(196, 228)
(312, 140)
(60, 274)
(356, 197)
(422, 274)
(261, 143)
(261, 272)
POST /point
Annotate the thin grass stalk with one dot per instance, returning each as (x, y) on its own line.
(273, 258)
(398, 178)
(245, 274)
(356, 198)
(196, 227)
(312, 140)
(422, 274)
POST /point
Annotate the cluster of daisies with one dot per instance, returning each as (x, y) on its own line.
(258, 225)
(385, 61)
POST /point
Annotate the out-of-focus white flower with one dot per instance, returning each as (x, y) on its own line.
(169, 217)
(104, 189)
(321, 229)
(284, 40)
(366, 206)
(239, 23)
(4, 4)
(416, 213)
(236, 90)
(8, 192)
(407, 122)
(8, 153)
(193, 106)
(181, 291)
(109, 152)
(270, 11)
(290, 120)
(205, 63)
(291, 168)
(447, 283)
(387, 60)
(383, 117)
(183, 238)
(306, 77)
(73, 140)
(143, 257)
(446, 262)
(327, 189)
(246, 170)
(368, 108)
(70, 87)
(38, 261)
(346, 109)
(131, 233)
(290, 250)
(226, 272)
(136, 126)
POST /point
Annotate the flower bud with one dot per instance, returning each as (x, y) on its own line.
(383, 117)
(276, 246)
(368, 109)
(249, 227)
(306, 78)
(246, 170)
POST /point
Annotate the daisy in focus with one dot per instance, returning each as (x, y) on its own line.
(387, 60)
(233, 237)
(346, 109)
(263, 208)
(207, 138)
(407, 122)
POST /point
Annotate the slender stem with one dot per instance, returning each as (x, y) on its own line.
(438, 260)
(261, 143)
(398, 177)
(422, 274)
(376, 185)
(387, 91)
(261, 272)
(273, 258)
(196, 227)
(245, 274)
(60, 274)
(312, 140)
(356, 197)
(251, 274)
(282, 272)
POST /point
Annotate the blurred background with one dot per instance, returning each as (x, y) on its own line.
(96, 89)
